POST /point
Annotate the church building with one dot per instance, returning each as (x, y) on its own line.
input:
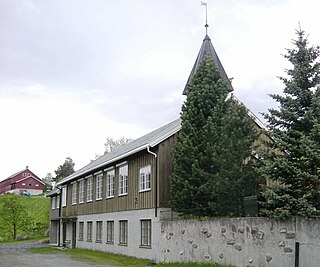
(116, 203)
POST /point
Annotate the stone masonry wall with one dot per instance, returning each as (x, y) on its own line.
(245, 241)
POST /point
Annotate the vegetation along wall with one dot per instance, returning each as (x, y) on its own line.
(242, 242)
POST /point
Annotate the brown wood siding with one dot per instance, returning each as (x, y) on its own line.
(54, 214)
(165, 168)
(133, 200)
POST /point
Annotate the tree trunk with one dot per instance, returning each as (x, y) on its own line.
(14, 231)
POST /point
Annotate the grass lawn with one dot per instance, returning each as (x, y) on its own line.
(98, 257)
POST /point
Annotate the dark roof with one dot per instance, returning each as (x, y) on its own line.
(207, 49)
(149, 140)
(53, 192)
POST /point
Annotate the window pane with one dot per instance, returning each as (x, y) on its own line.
(110, 231)
(146, 233)
(123, 239)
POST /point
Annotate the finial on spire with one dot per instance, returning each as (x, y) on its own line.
(205, 4)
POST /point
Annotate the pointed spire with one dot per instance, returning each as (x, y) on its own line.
(207, 49)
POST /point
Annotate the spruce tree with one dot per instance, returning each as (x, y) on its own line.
(292, 163)
(206, 164)
(237, 165)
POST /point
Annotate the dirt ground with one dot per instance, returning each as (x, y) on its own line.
(16, 255)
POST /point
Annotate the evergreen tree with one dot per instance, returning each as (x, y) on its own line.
(292, 163)
(203, 158)
(237, 165)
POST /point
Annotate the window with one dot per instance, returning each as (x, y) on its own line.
(123, 232)
(58, 201)
(145, 178)
(81, 230)
(81, 191)
(89, 189)
(53, 203)
(110, 232)
(99, 232)
(123, 180)
(110, 184)
(64, 196)
(89, 231)
(74, 193)
(146, 233)
(99, 186)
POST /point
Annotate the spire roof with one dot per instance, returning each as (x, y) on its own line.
(207, 49)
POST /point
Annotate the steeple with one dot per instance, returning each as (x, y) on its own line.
(207, 49)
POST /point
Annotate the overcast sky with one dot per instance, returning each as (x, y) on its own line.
(74, 72)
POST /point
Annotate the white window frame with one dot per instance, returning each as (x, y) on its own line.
(64, 196)
(99, 228)
(74, 193)
(99, 186)
(145, 233)
(123, 180)
(53, 203)
(145, 178)
(81, 191)
(89, 188)
(110, 183)
(110, 232)
(58, 201)
(123, 232)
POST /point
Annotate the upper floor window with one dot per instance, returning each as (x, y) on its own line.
(58, 201)
(74, 193)
(81, 191)
(53, 203)
(99, 186)
(89, 188)
(110, 183)
(123, 180)
(145, 178)
(64, 196)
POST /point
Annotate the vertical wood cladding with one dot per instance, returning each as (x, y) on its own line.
(134, 199)
(165, 168)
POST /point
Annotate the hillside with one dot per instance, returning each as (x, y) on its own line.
(34, 222)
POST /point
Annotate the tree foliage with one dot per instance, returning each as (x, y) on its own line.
(13, 214)
(211, 172)
(293, 159)
(111, 144)
(65, 169)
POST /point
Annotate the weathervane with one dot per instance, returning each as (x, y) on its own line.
(205, 4)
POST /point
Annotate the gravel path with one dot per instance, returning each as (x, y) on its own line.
(16, 255)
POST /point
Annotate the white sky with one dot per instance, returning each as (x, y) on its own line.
(74, 72)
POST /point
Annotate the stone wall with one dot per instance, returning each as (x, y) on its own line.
(241, 242)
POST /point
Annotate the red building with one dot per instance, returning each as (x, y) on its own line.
(23, 182)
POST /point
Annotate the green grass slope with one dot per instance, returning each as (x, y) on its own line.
(37, 208)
